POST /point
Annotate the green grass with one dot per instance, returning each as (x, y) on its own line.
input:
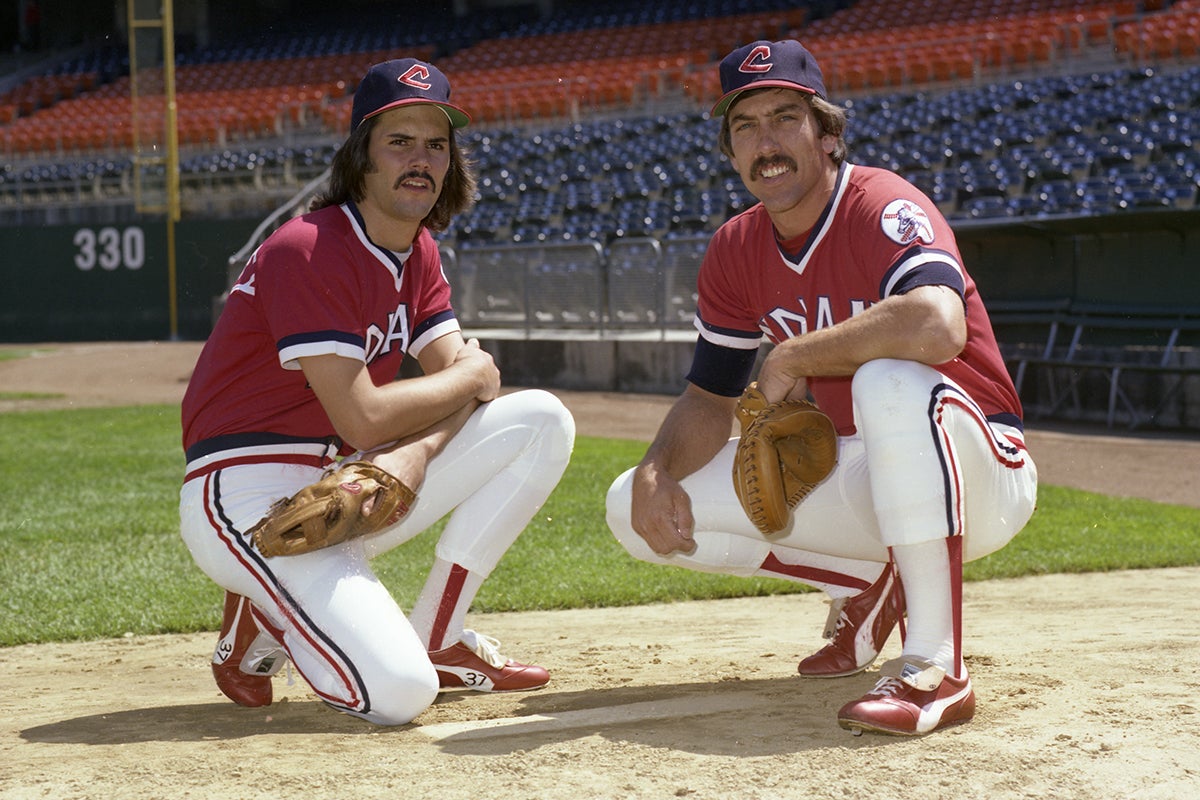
(89, 542)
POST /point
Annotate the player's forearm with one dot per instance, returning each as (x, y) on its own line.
(429, 405)
(433, 439)
(408, 459)
(694, 430)
(927, 326)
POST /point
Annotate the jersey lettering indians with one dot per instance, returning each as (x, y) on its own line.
(317, 286)
(879, 236)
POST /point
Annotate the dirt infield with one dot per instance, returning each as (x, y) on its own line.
(1087, 685)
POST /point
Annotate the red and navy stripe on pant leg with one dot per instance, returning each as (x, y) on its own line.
(1008, 452)
(353, 695)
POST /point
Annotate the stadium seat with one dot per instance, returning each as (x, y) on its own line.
(975, 146)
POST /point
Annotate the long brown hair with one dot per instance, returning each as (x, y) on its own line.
(831, 120)
(352, 162)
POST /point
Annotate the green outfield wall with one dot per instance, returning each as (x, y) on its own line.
(110, 282)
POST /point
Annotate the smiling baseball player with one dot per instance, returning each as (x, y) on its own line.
(856, 278)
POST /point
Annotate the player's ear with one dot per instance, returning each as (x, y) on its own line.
(828, 143)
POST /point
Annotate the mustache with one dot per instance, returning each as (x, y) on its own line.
(756, 168)
(425, 176)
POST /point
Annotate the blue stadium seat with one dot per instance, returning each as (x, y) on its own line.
(988, 206)
(1063, 195)
(1180, 193)
(1099, 142)
(1035, 204)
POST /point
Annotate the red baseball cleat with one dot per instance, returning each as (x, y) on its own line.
(245, 658)
(914, 698)
(475, 663)
(858, 627)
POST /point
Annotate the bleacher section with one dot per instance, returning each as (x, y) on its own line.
(600, 179)
(1050, 142)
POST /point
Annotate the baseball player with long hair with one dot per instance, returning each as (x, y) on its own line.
(301, 370)
(855, 277)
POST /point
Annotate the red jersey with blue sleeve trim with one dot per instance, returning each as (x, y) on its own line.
(318, 285)
(878, 236)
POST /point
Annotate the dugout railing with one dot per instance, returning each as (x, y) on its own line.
(1132, 365)
(1098, 319)
(636, 285)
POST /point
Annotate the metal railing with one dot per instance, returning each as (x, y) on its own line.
(634, 286)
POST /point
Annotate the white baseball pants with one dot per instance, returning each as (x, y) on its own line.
(924, 464)
(339, 625)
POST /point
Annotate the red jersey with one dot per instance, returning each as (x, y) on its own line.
(317, 285)
(879, 236)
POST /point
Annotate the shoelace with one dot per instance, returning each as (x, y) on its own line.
(889, 687)
(488, 649)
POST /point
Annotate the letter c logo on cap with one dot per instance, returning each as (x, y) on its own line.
(758, 60)
(417, 76)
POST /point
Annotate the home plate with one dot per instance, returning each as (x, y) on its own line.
(593, 717)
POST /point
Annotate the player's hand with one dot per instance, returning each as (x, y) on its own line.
(405, 461)
(777, 384)
(473, 357)
(662, 512)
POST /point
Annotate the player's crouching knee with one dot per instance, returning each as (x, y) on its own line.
(618, 514)
(549, 422)
(891, 381)
(618, 501)
(401, 699)
(548, 412)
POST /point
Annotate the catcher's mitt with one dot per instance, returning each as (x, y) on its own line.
(330, 511)
(786, 449)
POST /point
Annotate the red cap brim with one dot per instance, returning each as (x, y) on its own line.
(722, 105)
(458, 118)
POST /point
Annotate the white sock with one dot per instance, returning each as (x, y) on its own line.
(926, 571)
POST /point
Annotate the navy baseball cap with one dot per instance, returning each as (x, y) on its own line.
(402, 82)
(763, 64)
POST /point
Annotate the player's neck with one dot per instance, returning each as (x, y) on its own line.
(796, 220)
(387, 231)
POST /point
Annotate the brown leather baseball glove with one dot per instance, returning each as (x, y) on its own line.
(786, 449)
(330, 511)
